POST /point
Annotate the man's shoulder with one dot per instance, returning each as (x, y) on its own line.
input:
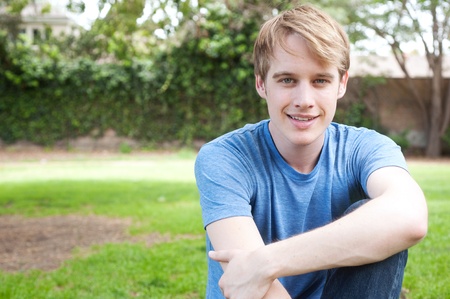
(338, 127)
(342, 132)
(241, 148)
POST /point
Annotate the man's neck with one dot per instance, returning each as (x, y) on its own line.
(302, 158)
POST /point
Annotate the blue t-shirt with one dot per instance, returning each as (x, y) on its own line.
(243, 174)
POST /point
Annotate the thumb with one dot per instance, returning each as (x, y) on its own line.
(220, 256)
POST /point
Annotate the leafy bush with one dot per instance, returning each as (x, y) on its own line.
(401, 139)
(198, 89)
(354, 114)
(446, 142)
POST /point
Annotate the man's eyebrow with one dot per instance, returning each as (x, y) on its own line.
(326, 75)
(282, 74)
(289, 74)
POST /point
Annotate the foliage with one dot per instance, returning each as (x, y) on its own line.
(55, 98)
(211, 75)
(356, 113)
(14, 6)
(401, 139)
(199, 87)
(446, 141)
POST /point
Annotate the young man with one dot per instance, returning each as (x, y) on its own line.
(276, 196)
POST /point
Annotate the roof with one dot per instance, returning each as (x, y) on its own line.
(387, 66)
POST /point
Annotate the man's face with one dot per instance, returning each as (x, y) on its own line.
(301, 95)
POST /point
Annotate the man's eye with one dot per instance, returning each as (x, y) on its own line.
(287, 80)
(321, 81)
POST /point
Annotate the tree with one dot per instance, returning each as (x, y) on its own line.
(10, 15)
(426, 22)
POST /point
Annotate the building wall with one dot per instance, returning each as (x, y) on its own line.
(392, 106)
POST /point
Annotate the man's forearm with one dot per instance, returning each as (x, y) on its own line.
(367, 235)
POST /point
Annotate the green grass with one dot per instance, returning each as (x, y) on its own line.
(428, 270)
(171, 270)
(166, 207)
(159, 194)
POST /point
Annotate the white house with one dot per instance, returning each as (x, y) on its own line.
(41, 14)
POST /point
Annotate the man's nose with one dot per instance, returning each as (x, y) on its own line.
(302, 96)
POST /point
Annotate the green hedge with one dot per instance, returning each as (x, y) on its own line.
(175, 97)
(198, 89)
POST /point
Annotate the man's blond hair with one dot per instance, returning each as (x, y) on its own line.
(325, 38)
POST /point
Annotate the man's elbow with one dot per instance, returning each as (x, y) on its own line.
(419, 231)
(417, 226)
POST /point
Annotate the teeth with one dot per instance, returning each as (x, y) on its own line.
(301, 118)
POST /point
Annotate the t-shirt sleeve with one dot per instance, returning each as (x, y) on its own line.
(224, 182)
(373, 151)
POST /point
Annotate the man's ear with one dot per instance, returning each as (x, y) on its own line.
(343, 85)
(260, 86)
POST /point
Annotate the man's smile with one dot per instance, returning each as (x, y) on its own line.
(302, 118)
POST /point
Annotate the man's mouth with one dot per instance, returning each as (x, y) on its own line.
(302, 118)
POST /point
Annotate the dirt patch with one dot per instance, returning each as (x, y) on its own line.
(44, 243)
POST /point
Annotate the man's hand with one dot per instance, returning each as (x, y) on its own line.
(245, 275)
(240, 248)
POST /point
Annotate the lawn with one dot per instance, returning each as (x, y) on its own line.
(427, 274)
(157, 194)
